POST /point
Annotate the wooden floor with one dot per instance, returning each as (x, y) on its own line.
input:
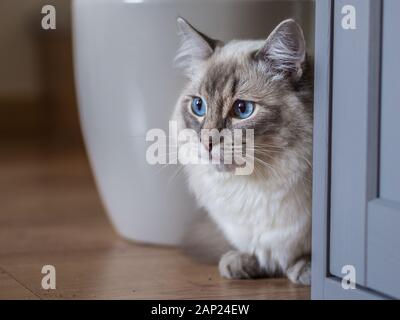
(50, 213)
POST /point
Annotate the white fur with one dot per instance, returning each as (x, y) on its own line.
(269, 217)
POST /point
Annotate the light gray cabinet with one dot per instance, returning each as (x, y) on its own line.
(356, 209)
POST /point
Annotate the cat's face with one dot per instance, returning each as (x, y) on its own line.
(244, 85)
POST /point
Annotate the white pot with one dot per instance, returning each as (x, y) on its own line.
(127, 84)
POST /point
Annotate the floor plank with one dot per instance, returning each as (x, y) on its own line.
(51, 214)
(140, 272)
(10, 289)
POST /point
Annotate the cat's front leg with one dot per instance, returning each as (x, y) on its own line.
(300, 271)
(237, 265)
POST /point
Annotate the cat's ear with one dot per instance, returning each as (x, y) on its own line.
(195, 47)
(285, 49)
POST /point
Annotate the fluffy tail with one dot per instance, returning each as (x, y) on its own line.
(204, 242)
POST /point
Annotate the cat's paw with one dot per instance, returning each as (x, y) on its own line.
(300, 272)
(237, 265)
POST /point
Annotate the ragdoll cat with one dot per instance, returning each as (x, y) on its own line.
(263, 220)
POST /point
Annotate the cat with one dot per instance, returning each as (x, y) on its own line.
(259, 225)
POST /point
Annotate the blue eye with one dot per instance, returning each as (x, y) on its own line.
(243, 109)
(199, 107)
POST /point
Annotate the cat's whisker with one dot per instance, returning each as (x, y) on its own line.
(162, 168)
(175, 175)
(266, 152)
(267, 165)
(172, 153)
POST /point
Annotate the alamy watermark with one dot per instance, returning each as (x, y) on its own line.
(230, 149)
(49, 18)
(349, 19)
(49, 280)
(349, 278)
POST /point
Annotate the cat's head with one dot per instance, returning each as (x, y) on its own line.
(257, 85)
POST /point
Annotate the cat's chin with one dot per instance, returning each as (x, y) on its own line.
(226, 168)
